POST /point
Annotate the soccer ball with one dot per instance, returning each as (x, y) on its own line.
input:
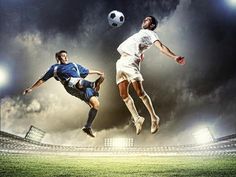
(116, 18)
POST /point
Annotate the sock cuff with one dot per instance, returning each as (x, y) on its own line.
(93, 110)
(127, 98)
(144, 96)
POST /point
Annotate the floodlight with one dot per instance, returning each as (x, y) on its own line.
(232, 3)
(4, 77)
(119, 142)
(35, 134)
(203, 136)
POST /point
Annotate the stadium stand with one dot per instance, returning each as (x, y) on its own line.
(12, 144)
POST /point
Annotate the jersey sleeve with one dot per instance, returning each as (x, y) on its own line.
(153, 36)
(83, 71)
(48, 74)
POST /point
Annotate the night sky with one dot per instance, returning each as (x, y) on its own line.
(198, 94)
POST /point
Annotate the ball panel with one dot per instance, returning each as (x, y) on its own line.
(115, 18)
(113, 15)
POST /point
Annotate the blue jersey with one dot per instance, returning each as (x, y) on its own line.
(65, 71)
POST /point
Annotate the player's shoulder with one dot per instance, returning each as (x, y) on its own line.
(54, 65)
(72, 63)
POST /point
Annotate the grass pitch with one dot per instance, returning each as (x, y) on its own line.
(64, 166)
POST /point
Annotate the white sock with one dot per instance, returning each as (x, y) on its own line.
(148, 103)
(132, 109)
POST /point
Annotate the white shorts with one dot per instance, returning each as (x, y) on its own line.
(128, 68)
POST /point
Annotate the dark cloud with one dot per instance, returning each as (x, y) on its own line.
(65, 17)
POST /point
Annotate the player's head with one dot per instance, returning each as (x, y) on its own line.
(150, 23)
(61, 57)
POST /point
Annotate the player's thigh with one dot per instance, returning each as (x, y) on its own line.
(123, 88)
(138, 87)
(94, 102)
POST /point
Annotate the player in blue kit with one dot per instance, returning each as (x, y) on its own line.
(72, 75)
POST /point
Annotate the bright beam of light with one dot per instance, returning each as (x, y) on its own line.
(232, 2)
(119, 142)
(4, 77)
(203, 136)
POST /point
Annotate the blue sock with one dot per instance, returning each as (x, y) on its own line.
(91, 116)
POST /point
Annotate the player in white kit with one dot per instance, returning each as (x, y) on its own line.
(128, 69)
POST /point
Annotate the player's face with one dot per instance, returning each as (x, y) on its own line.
(147, 23)
(63, 58)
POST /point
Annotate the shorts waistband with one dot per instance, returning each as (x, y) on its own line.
(65, 82)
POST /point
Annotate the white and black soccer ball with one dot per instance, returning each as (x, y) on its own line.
(116, 18)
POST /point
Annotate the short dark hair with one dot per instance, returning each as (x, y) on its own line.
(58, 54)
(154, 22)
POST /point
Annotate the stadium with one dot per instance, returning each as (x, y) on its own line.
(12, 144)
(119, 156)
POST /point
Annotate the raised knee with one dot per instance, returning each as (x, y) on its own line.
(95, 104)
(103, 76)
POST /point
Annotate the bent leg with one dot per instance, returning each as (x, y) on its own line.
(81, 84)
(148, 103)
(129, 102)
(84, 84)
(138, 87)
(98, 82)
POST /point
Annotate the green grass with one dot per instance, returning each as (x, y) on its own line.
(64, 166)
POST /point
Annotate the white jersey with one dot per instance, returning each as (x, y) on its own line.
(136, 44)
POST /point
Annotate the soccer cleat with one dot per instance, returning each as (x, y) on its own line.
(155, 125)
(98, 82)
(88, 131)
(138, 124)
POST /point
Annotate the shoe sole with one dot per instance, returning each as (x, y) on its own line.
(91, 135)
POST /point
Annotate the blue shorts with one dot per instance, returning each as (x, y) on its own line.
(83, 94)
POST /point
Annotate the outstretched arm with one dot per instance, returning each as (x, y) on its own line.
(96, 72)
(35, 85)
(169, 53)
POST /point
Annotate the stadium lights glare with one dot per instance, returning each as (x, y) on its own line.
(4, 77)
(119, 142)
(203, 136)
(232, 3)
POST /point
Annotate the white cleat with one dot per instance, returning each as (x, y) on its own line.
(155, 125)
(138, 124)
